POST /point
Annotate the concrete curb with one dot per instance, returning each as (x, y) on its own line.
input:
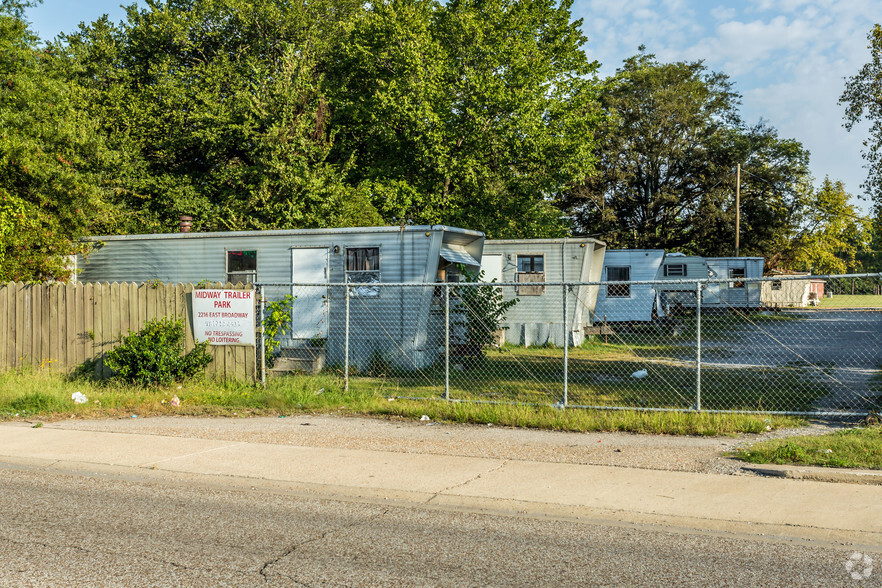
(818, 474)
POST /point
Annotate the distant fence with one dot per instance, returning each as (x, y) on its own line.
(60, 327)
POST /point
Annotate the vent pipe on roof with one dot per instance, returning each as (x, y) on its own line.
(186, 223)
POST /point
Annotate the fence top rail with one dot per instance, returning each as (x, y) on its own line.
(693, 282)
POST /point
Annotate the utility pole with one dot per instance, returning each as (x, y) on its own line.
(737, 208)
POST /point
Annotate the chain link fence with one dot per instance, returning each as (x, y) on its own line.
(809, 345)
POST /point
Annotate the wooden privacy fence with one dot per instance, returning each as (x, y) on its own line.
(63, 326)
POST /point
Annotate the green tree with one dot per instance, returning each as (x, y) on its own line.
(831, 234)
(666, 165)
(222, 100)
(474, 113)
(863, 100)
(52, 159)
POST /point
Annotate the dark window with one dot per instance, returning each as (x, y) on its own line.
(675, 270)
(736, 272)
(531, 268)
(241, 267)
(363, 267)
(531, 263)
(618, 274)
(777, 284)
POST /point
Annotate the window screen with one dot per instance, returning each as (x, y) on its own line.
(618, 274)
(363, 267)
(241, 267)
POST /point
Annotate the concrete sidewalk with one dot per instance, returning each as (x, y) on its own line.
(704, 502)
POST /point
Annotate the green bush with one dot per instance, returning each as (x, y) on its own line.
(155, 355)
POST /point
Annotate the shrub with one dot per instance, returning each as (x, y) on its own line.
(155, 355)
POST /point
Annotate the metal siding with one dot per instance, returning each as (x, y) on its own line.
(408, 255)
(644, 264)
(538, 319)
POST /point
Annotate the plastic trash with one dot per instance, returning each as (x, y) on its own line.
(425, 417)
(640, 374)
(175, 401)
(79, 398)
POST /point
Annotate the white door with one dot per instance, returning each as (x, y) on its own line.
(309, 316)
(491, 265)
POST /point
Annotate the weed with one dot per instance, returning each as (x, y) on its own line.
(49, 396)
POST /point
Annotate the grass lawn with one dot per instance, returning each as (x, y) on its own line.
(599, 375)
(42, 396)
(852, 448)
(849, 301)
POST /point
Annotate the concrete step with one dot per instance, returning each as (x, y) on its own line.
(305, 359)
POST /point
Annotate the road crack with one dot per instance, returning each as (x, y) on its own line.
(290, 550)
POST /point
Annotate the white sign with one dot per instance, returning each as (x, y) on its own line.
(224, 317)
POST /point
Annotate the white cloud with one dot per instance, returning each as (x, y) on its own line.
(787, 57)
(722, 13)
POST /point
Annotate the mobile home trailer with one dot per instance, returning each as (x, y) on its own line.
(674, 275)
(398, 325)
(537, 319)
(734, 293)
(628, 302)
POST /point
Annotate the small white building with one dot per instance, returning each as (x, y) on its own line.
(792, 291)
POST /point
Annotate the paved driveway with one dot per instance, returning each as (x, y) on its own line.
(839, 348)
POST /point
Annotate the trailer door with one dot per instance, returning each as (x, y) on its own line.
(309, 315)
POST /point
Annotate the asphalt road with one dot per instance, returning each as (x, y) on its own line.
(59, 528)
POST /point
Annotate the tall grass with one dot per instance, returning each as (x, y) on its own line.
(46, 396)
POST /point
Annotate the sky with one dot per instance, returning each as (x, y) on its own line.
(787, 58)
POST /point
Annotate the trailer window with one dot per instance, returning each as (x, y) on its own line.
(363, 267)
(734, 273)
(531, 268)
(618, 274)
(675, 270)
(777, 284)
(241, 267)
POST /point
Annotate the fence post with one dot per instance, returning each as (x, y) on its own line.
(697, 345)
(346, 343)
(262, 338)
(566, 342)
(446, 341)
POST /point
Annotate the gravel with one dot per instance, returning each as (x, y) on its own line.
(660, 452)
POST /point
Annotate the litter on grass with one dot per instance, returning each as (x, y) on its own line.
(79, 398)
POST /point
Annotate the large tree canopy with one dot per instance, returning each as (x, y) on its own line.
(52, 159)
(667, 157)
(863, 100)
(222, 101)
(266, 114)
(474, 113)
